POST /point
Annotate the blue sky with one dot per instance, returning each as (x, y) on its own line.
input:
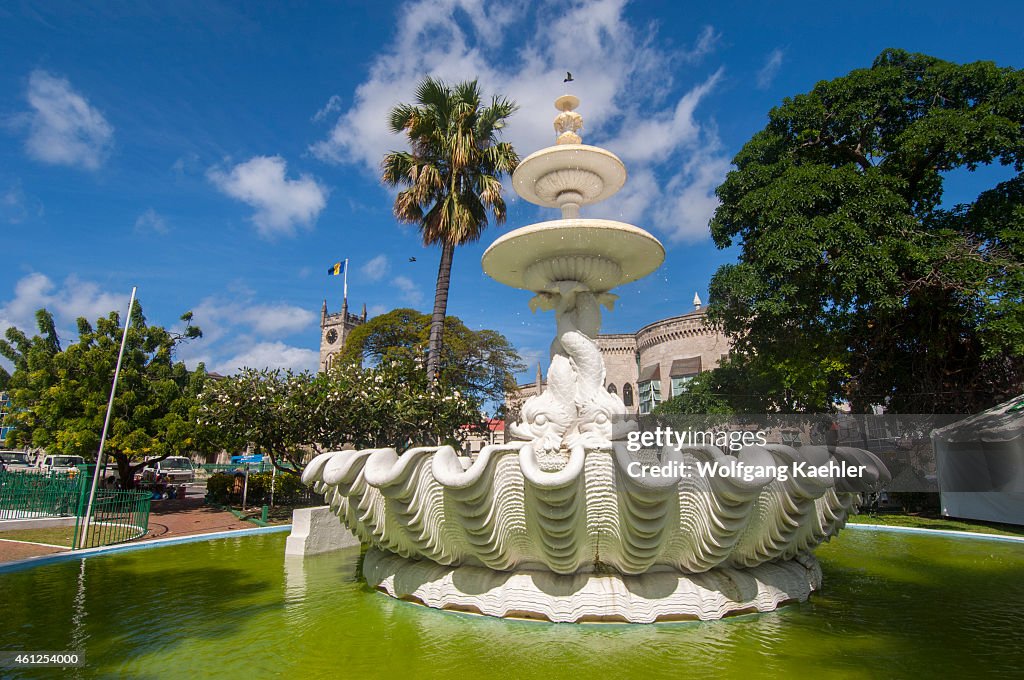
(222, 155)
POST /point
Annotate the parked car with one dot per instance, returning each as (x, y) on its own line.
(15, 460)
(178, 470)
(67, 464)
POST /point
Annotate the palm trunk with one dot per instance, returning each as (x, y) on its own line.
(444, 275)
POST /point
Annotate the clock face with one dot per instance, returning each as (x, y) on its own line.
(332, 336)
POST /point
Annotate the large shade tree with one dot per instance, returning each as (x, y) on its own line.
(857, 278)
(451, 176)
(59, 394)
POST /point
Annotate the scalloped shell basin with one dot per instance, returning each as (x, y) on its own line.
(505, 512)
(504, 536)
(636, 252)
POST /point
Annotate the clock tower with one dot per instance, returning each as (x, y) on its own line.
(334, 330)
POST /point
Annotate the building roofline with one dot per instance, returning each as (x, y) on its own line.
(659, 322)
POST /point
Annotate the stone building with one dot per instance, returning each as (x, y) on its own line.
(334, 330)
(655, 363)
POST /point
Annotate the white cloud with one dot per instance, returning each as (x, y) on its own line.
(270, 355)
(705, 43)
(410, 292)
(151, 221)
(236, 331)
(68, 301)
(223, 316)
(63, 128)
(333, 105)
(689, 200)
(630, 102)
(376, 310)
(770, 69)
(16, 206)
(655, 136)
(376, 268)
(276, 319)
(281, 204)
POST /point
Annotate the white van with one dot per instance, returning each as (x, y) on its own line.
(178, 469)
(60, 464)
(15, 460)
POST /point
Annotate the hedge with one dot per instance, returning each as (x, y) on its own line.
(288, 489)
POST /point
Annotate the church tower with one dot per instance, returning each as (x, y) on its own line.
(334, 330)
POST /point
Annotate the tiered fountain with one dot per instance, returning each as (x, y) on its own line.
(553, 526)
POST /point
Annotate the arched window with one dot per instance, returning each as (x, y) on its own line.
(328, 362)
(611, 388)
(627, 394)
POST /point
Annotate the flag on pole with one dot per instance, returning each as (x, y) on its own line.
(338, 269)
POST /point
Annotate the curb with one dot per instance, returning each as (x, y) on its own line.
(935, 532)
(142, 545)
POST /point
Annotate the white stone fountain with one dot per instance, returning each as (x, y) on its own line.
(554, 526)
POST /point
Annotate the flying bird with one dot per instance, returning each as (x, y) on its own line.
(412, 259)
(568, 77)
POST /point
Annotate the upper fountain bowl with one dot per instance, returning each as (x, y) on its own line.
(601, 253)
(569, 173)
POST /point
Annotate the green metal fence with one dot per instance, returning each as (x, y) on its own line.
(27, 495)
(117, 516)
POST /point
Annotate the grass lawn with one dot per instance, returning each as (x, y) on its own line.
(944, 523)
(60, 535)
(51, 535)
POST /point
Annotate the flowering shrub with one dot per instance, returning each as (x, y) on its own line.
(289, 416)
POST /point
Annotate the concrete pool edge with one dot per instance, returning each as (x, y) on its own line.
(935, 532)
(160, 542)
(125, 547)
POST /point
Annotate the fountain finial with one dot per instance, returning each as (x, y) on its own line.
(568, 122)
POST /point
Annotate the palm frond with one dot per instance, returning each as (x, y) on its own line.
(453, 170)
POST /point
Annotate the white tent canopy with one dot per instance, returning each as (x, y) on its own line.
(981, 464)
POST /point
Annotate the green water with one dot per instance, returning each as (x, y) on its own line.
(893, 605)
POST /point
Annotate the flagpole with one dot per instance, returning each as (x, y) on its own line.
(346, 279)
(106, 423)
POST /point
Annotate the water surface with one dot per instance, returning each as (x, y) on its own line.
(893, 605)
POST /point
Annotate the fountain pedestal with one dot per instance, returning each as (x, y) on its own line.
(590, 598)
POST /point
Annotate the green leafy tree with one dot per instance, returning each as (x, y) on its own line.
(290, 417)
(481, 364)
(703, 396)
(452, 176)
(59, 396)
(855, 280)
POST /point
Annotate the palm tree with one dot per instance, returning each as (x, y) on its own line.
(452, 176)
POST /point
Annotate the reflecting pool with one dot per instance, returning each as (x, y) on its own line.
(893, 605)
